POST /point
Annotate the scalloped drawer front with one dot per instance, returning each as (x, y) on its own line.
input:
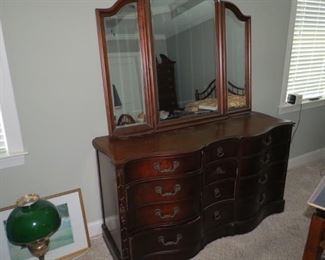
(266, 158)
(222, 149)
(157, 167)
(248, 207)
(278, 135)
(170, 243)
(219, 170)
(157, 191)
(273, 175)
(162, 214)
(219, 191)
(219, 214)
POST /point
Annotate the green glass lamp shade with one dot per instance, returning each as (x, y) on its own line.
(32, 221)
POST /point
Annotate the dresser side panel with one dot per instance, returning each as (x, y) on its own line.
(110, 198)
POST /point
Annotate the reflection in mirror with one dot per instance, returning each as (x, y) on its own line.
(125, 70)
(235, 42)
(185, 50)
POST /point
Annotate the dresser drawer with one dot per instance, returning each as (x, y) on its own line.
(221, 169)
(278, 135)
(218, 214)
(222, 149)
(252, 165)
(249, 207)
(179, 242)
(162, 214)
(221, 190)
(250, 185)
(272, 176)
(156, 191)
(162, 167)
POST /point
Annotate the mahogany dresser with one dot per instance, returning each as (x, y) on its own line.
(165, 196)
(184, 172)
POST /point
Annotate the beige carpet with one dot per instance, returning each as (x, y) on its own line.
(278, 237)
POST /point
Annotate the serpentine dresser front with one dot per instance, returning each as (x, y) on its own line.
(166, 195)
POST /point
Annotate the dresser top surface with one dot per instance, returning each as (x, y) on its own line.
(186, 140)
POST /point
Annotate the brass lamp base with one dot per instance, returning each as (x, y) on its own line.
(39, 248)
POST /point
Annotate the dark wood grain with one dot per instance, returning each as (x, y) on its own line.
(186, 140)
(221, 169)
(164, 190)
(316, 235)
(219, 214)
(165, 180)
(168, 243)
(273, 175)
(170, 187)
(163, 214)
(219, 191)
(163, 166)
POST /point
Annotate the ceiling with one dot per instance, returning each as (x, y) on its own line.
(169, 17)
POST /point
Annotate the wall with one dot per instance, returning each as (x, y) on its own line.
(270, 20)
(54, 60)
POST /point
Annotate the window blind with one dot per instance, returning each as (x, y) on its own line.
(3, 145)
(307, 63)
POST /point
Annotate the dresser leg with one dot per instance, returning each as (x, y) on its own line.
(315, 237)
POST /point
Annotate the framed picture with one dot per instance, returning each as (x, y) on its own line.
(317, 199)
(72, 237)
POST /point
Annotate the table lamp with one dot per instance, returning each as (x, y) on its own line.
(32, 223)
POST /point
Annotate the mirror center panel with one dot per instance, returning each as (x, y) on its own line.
(184, 37)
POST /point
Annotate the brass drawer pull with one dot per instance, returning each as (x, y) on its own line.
(263, 179)
(217, 193)
(220, 171)
(173, 168)
(177, 188)
(220, 152)
(162, 241)
(161, 216)
(266, 158)
(262, 198)
(267, 140)
(217, 215)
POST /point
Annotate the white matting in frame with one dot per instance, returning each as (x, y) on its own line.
(71, 238)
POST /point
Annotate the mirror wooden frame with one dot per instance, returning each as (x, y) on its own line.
(148, 60)
(248, 68)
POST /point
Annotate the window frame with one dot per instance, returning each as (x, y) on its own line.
(15, 155)
(306, 104)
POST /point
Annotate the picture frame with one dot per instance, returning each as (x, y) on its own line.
(71, 239)
(317, 199)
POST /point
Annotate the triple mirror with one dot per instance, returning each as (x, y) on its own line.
(171, 63)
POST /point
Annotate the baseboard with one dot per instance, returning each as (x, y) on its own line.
(95, 228)
(306, 158)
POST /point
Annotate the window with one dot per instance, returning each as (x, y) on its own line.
(3, 142)
(11, 145)
(306, 68)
